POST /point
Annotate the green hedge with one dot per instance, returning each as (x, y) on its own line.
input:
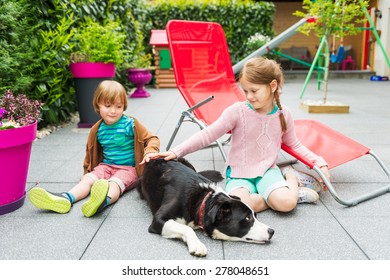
(239, 19)
(63, 17)
(36, 42)
(15, 51)
(36, 38)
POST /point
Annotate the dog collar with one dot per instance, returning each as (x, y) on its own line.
(201, 210)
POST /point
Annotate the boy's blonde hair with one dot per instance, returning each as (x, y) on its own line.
(260, 70)
(109, 91)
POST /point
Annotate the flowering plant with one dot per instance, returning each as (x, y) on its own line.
(256, 41)
(16, 111)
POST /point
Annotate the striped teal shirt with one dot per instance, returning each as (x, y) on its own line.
(117, 141)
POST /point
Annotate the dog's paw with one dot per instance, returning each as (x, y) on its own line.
(197, 249)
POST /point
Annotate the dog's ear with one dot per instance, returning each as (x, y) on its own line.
(220, 212)
(235, 197)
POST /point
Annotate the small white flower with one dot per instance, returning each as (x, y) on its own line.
(259, 37)
(10, 123)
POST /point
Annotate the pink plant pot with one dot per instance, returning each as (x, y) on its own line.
(92, 69)
(15, 151)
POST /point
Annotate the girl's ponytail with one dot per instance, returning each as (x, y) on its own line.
(283, 122)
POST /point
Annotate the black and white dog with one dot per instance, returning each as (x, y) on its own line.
(182, 199)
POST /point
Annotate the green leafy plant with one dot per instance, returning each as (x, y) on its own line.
(17, 56)
(240, 19)
(140, 61)
(97, 42)
(340, 17)
(137, 57)
(52, 85)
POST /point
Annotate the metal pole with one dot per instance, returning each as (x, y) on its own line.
(270, 45)
(313, 64)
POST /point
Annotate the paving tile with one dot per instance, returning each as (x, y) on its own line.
(324, 231)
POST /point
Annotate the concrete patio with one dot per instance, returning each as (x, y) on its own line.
(323, 231)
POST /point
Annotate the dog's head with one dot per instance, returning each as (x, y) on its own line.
(228, 218)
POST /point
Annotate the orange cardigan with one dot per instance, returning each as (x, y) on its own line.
(144, 143)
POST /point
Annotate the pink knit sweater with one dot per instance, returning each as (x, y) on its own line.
(255, 141)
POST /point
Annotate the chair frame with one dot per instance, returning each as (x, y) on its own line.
(188, 115)
(347, 202)
(222, 76)
(226, 76)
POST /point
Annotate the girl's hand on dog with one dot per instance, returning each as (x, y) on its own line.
(166, 155)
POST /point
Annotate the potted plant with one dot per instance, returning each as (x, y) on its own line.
(18, 128)
(331, 18)
(138, 64)
(139, 74)
(99, 48)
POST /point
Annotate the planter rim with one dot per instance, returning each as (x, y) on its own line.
(18, 136)
(137, 69)
(92, 70)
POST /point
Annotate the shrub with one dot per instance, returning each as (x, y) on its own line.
(17, 57)
(240, 19)
(97, 42)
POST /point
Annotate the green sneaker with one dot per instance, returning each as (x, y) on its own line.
(99, 193)
(43, 199)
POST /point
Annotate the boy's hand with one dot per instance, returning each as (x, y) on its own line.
(147, 158)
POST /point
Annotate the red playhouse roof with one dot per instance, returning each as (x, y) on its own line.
(158, 38)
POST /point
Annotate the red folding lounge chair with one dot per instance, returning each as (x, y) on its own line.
(203, 72)
(336, 149)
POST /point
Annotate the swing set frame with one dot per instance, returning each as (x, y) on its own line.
(322, 65)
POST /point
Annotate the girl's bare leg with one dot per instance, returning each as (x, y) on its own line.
(285, 199)
(255, 201)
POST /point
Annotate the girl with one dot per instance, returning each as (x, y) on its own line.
(116, 145)
(258, 127)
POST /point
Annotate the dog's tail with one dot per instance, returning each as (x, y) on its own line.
(212, 175)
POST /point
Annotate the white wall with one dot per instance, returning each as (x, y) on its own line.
(383, 24)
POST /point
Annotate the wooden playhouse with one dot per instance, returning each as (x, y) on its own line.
(164, 75)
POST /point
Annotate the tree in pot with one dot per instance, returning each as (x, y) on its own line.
(331, 19)
(99, 48)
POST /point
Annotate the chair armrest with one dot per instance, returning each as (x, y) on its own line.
(297, 156)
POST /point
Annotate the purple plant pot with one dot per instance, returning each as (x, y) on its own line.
(15, 151)
(139, 77)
